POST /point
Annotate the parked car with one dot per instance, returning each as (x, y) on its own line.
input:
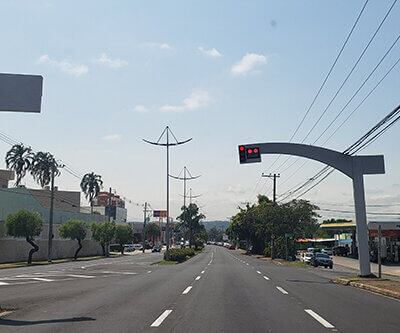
(327, 251)
(231, 247)
(128, 248)
(307, 257)
(156, 249)
(321, 259)
(340, 251)
(313, 249)
(137, 246)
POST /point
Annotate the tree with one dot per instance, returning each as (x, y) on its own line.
(255, 224)
(91, 185)
(75, 230)
(190, 221)
(103, 233)
(123, 235)
(42, 167)
(26, 224)
(19, 159)
(152, 231)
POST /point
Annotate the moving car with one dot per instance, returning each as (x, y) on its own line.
(321, 259)
(156, 249)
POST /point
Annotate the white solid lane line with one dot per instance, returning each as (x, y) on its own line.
(187, 290)
(198, 278)
(265, 277)
(258, 272)
(41, 279)
(283, 291)
(81, 276)
(3, 283)
(160, 319)
(318, 318)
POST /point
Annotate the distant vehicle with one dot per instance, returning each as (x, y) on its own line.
(138, 246)
(313, 250)
(128, 248)
(307, 257)
(340, 251)
(156, 249)
(327, 251)
(232, 247)
(322, 259)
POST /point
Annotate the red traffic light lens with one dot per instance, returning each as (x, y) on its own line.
(249, 151)
(255, 150)
(241, 148)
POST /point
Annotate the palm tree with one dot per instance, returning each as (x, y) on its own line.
(19, 159)
(42, 167)
(91, 185)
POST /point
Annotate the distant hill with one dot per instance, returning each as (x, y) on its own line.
(220, 225)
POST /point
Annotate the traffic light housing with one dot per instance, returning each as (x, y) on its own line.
(249, 154)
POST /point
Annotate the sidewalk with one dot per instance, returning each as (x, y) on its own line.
(353, 263)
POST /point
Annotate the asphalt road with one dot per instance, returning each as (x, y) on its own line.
(217, 291)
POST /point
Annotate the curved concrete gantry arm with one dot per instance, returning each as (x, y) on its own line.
(342, 162)
(353, 166)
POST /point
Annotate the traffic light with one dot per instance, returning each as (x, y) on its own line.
(249, 154)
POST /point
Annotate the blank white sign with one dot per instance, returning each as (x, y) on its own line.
(20, 93)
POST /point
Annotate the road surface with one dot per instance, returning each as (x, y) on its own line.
(219, 290)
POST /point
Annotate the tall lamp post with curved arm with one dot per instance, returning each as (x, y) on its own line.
(167, 131)
(185, 178)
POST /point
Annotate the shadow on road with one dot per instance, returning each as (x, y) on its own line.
(11, 322)
(308, 281)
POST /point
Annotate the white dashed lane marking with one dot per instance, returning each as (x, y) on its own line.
(3, 283)
(187, 290)
(283, 291)
(198, 278)
(265, 277)
(160, 319)
(202, 272)
(258, 272)
(318, 318)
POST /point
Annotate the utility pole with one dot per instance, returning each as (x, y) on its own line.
(167, 144)
(273, 176)
(50, 241)
(109, 205)
(144, 227)
(185, 178)
(379, 251)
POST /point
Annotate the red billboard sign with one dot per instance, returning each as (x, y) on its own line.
(159, 213)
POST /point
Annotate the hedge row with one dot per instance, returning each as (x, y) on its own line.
(180, 254)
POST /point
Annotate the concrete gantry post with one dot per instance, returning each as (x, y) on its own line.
(354, 167)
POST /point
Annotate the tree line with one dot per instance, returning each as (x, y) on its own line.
(264, 227)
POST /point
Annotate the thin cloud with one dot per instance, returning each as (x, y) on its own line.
(212, 53)
(140, 108)
(64, 66)
(162, 46)
(111, 137)
(248, 63)
(112, 63)
(196, 99)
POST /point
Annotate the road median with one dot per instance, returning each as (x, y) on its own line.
(384, 287)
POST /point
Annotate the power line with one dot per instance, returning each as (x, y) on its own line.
(326, 77)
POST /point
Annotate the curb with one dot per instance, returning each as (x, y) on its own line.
(378, 290)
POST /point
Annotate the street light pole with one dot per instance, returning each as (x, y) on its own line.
(167, 144)
(184, 178)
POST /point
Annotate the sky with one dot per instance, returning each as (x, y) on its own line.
(224, 73)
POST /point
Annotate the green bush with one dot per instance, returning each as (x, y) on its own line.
(180, 255)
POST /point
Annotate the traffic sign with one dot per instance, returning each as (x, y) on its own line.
(20, 93)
